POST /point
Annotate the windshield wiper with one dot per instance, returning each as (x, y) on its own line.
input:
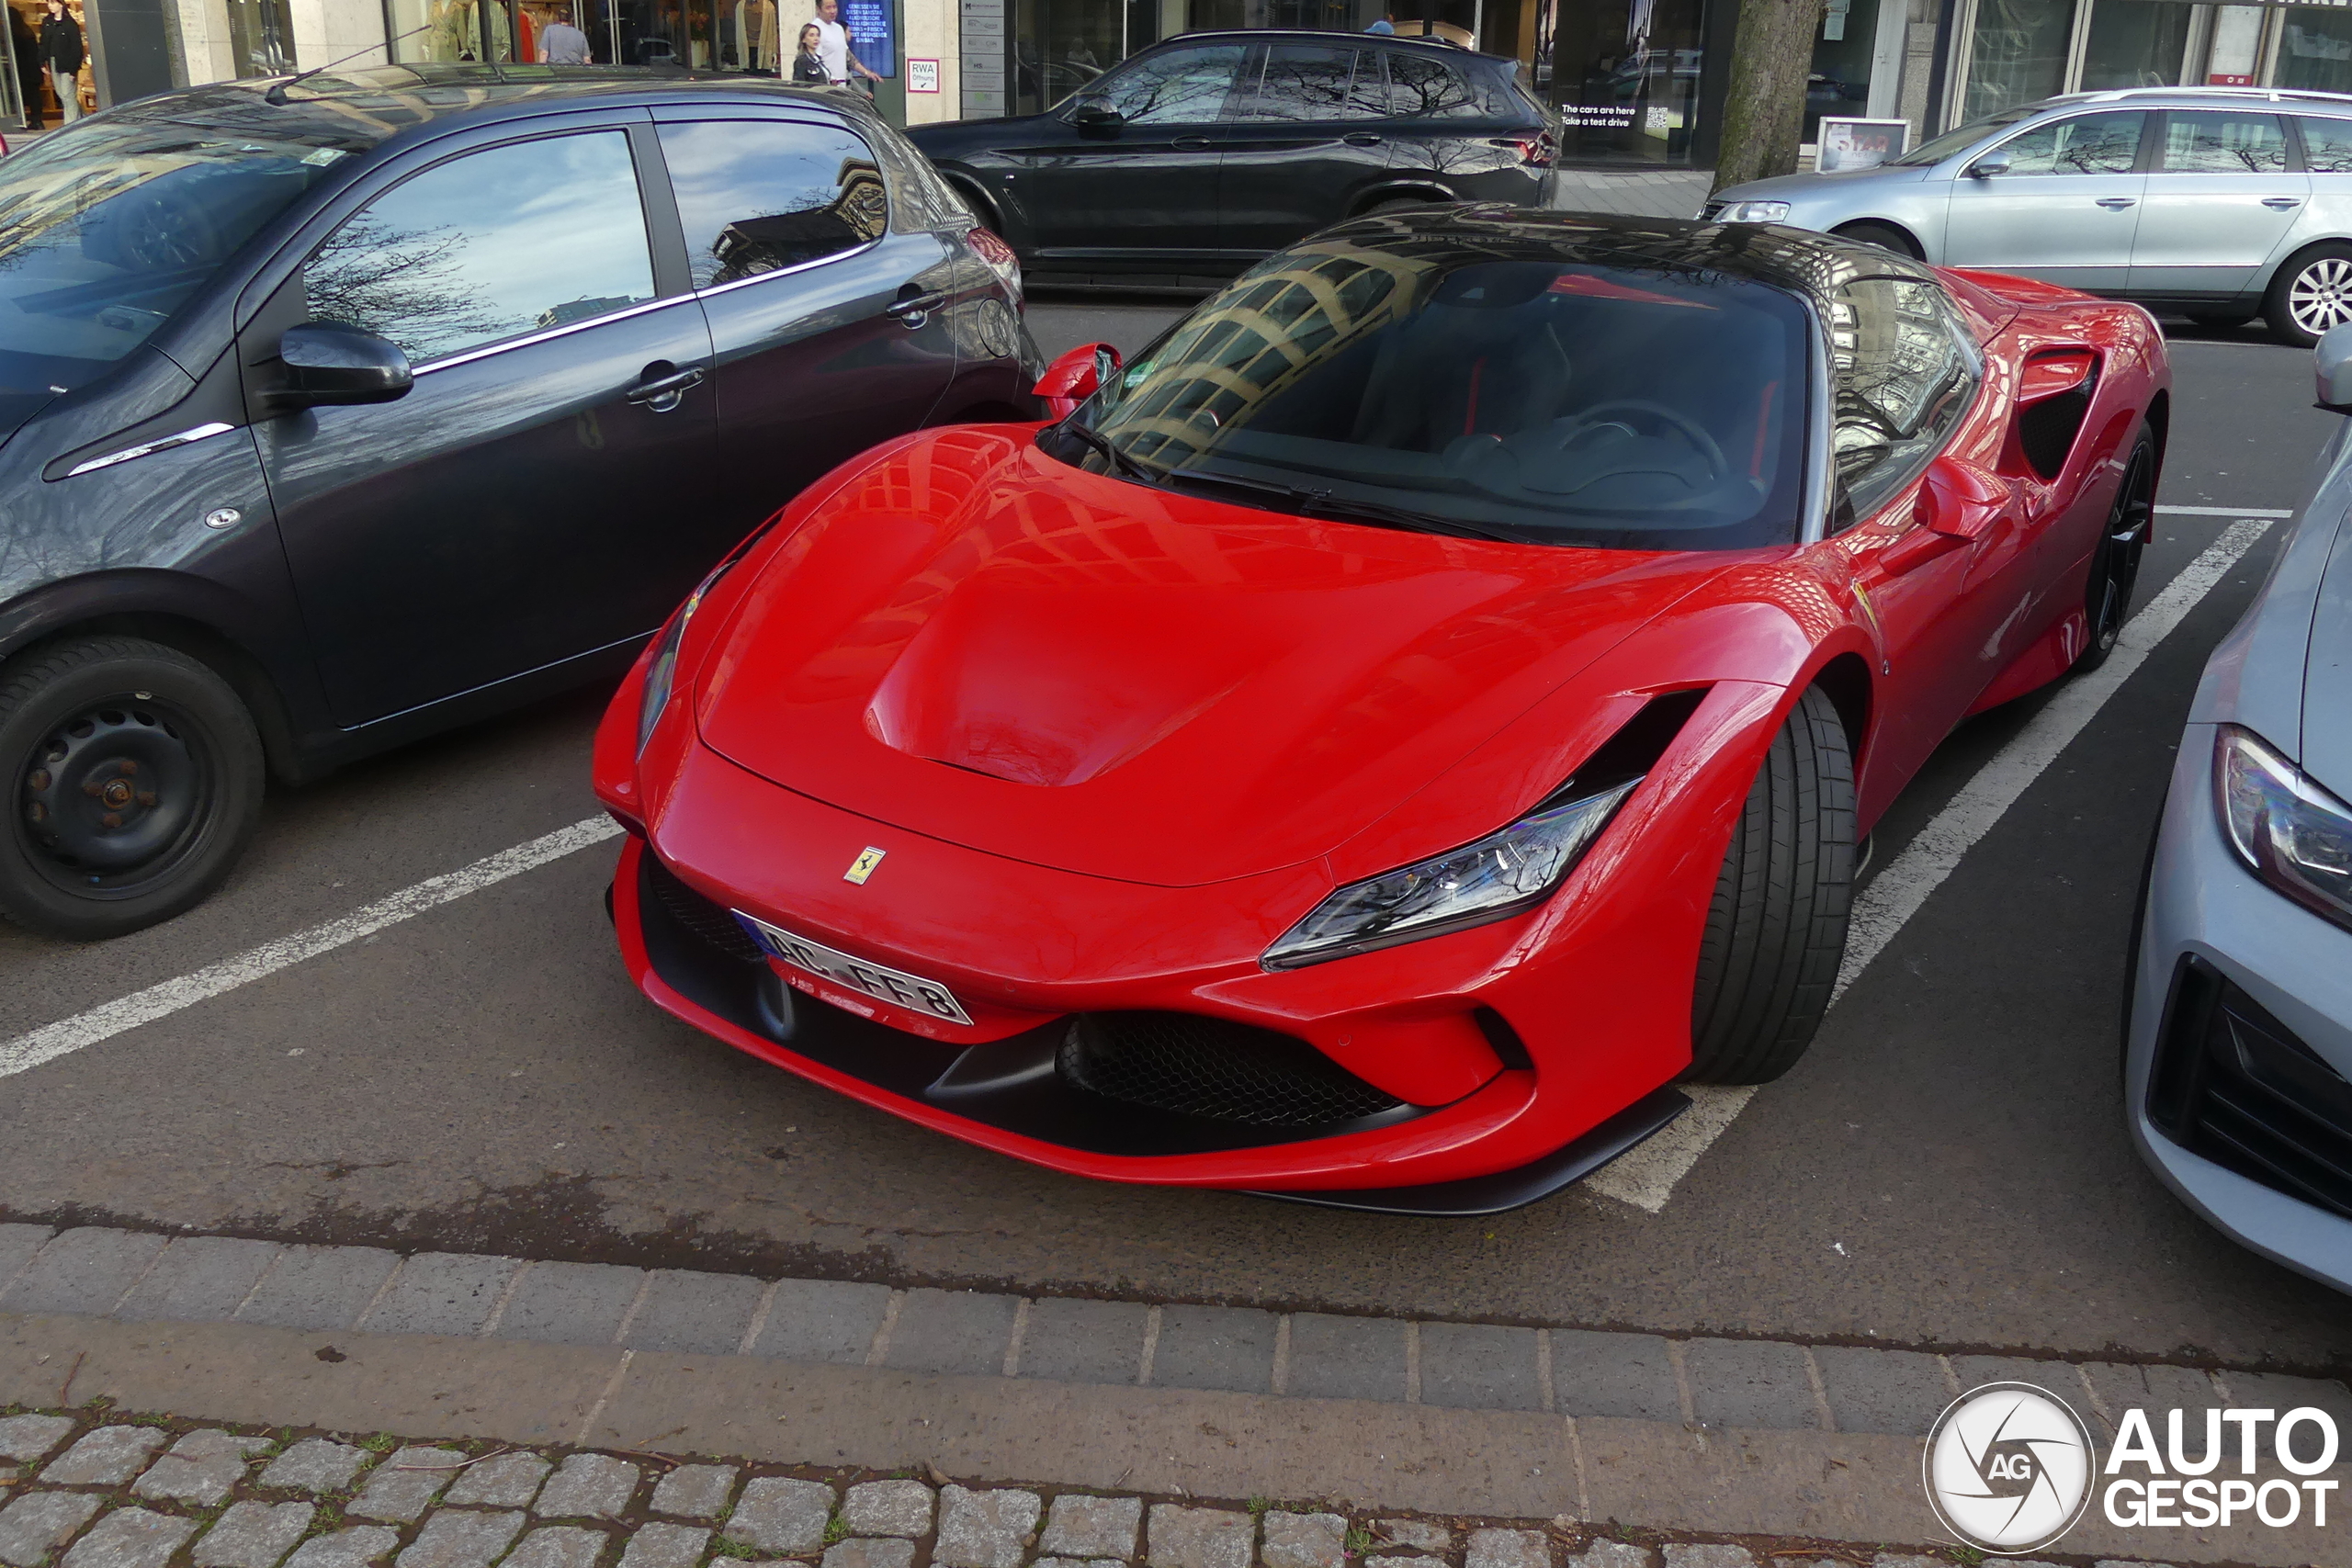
(1309, 502)
(1094, 440)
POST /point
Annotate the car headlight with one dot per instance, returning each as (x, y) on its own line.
(2294, 835)
(662, 671)
(1752, 212)
(1498, 875)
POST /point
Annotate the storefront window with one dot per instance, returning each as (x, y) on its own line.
(1626, 76)
(2017, 53)
(2136, 44)
(2315, 50)
(450, 30)
(261, 37)
(1840, 83)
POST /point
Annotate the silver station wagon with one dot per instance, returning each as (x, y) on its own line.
(2221, 204)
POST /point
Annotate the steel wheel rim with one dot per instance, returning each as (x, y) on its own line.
(114, 796)
(2321, 296)
(2121, 546)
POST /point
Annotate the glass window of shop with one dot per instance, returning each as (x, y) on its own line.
(2136, 44)
(1056, 47)
(702, 35)
(2017, 53)
(2315, 50)
(261, 37)
(1626, 74)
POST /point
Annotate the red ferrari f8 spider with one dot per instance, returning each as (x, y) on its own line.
(1374, 745)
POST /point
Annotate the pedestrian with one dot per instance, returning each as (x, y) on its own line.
(1387, 24)
(60, 55)
(808, 62)
(834, 46)
(27, 49)
(560, 43)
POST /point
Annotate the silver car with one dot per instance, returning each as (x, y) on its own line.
(2238, 1036)
(2220, 203)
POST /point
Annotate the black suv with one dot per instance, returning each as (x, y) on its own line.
(1204, 153)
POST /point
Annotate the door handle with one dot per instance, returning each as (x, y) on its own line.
(1191, 143)
(2118, 203)
(2282, 203)
(1361, 138)
(915, 310)
(664, 388)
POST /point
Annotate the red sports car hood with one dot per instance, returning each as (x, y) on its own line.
(974, 641)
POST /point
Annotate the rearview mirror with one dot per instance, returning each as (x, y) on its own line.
(1076, 377)
(330, 363)
(2332, 359)
(1988, 166)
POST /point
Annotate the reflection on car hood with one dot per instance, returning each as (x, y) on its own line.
(978, 642)
(1792, 187)
(18, 406)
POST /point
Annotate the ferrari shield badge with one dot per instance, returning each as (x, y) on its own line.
(863, 866)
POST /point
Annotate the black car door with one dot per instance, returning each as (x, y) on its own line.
(1306, 144)
(826, 317)
(1146, 185)
(541, 491)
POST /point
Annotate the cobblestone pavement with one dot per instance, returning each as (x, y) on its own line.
(95, 1488)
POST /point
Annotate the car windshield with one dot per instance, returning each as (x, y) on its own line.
(107, 228)
(1545, 400)
(1960, 141)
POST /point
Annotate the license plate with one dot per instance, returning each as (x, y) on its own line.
(893, 985)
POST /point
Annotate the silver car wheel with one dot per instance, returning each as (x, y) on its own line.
(2321, 296)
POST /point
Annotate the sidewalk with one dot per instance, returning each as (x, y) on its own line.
(1648, 193)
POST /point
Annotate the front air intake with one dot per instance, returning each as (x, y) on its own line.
(1211, 1067)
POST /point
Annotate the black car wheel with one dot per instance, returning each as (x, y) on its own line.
(2115, 562)
(1776, 929)
(135, 778)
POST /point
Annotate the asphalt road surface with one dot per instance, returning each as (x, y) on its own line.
(1948, 1167)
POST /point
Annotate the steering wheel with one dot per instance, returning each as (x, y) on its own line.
(1599, 415)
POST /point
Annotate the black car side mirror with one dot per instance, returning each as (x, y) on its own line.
(1096, 113)
(327, 362)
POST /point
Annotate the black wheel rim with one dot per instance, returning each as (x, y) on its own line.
(2118, 564)
(110, 801)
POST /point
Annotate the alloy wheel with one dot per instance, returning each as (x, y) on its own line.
(2321, 296)
(2117, 567)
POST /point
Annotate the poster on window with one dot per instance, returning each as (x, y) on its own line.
(871, 38)
(1858, 143)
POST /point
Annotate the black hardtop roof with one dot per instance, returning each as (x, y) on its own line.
(1322, 35)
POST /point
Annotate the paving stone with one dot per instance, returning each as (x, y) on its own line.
(1198, 1537)
(569, 1304)
(1418, 1535)
(460, 1538)
(320, 1287)
(1612, 1554)
(130, 1537)
(354, 1548)
(1077, 1562)
(665, 1546)
(2279, 1394)
(506, 1480)
(86, 1270)
(107, 1457)
(557, 1546)
(1472, 1366)
(18, 1245)
(1508, 1549)
(588, 1487)
(857, 1553)
(2050, 1377)
(28, 1438)
(2102, 1563)
(1749, 1384)
(822, 1320)
(1412, 1562)
(315, 1464)
(399, 1489)
(253, 1535)
(201, 1468)
(197, 1279)
(1899, 1391)
(988, 1529)
(1209, 1347)
(441, 1292)
(696, 1491)
(892, 1507)
(39, 1522)
(2158, 1389)
(964, 1332)
(1709, 1557)
(1080, 1526)
(1343, 1357)
(695, 1314)
(1303, 1540)
(780, 1515)
(1081, 1341)
(1615, 1374)
(1908, 1560)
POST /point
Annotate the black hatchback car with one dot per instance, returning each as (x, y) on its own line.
(344, 409)
(1201, 155)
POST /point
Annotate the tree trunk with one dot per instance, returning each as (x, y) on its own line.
(1764, 106)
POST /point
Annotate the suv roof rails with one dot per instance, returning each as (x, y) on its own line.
(2266, 94)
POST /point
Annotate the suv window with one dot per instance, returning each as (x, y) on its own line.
(491, 246)
(1307, 81)
(759, 194)
(1182, 87)
(2088, 144)
(1905, 373)
(2224, 143)
(2327, 145)
(1422, 89)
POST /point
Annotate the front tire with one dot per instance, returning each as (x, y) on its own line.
(1776, 929)
(134, 778)
(2115, 562)
(1885, 236)
(2310, 294)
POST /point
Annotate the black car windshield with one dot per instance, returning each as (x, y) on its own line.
(1556, 401)
(1960, 141)
(107, 227)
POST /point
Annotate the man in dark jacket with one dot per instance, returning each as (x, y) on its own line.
(30, 70)
(60, 55)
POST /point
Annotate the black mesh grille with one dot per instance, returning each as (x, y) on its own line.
(699, 916)
(1209, 1066)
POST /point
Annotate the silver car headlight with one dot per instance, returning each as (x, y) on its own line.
(662, 671)
(2291, 833)
(1752, 212)
(1497, 876)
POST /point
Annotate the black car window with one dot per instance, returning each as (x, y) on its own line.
(495, 245)
(2224, 143)
(2088, 144)
(759, 194)
(1420, 87)
(1905, 373)
(1312, 81)
(1176, 87)
(2327, 145)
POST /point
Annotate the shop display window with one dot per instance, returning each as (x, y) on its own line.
(2315, 50)
(2136, 44)
(2017, 55)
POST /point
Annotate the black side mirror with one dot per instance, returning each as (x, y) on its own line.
(327, 362)
(1096, 113)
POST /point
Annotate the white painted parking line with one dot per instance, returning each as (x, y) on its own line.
(1647, 1176)
(2230, 512)
(68, 1036)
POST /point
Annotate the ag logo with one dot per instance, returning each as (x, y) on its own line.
(2008, 1468)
